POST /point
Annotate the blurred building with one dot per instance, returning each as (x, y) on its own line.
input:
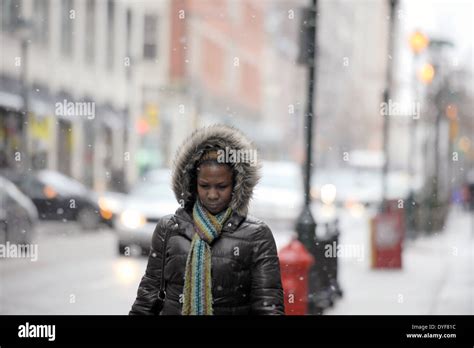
(150, 72)
(105, 54)
(285, 90)
(352, 55)
(230, 63)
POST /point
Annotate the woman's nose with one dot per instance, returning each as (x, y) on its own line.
(212, 195)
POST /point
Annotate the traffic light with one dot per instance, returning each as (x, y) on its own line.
(426, 73)
(418, 42)
(152, 114)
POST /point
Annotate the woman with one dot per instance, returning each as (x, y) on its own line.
(217, 259)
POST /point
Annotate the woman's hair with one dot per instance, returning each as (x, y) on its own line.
(209, 157)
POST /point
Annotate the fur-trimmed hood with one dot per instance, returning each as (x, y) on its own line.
(235, 146)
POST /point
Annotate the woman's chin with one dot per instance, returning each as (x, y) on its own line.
(215, 210)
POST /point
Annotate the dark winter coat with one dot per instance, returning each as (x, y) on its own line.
(245, 266)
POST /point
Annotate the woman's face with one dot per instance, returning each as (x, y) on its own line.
(214, 186)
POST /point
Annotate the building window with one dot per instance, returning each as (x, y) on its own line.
(11, 13)
(111, 34)
(41, 32)
(150, 37)
(90, 32)
(234, 9)
(66, 27)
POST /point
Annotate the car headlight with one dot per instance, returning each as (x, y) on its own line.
(328, 193)
(109, 204)
(132, 219)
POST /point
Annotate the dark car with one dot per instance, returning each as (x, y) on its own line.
(18, 215)
(59, 197)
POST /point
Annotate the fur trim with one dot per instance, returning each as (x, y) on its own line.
(246, 175)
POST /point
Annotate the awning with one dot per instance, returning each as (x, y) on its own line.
(11, 101)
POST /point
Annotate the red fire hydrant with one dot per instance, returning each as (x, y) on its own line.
(295, 262)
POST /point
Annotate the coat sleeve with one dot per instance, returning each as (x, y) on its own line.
(266, 295)
(147, 293)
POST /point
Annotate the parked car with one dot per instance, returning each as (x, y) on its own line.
(349, 186)
(150, 199)
(278, 197)
(468, 191)
(18, 215)
(113, 203)
(59, 197)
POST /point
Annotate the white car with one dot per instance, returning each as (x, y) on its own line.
(348, 186)
(278, 197)
(151, 199)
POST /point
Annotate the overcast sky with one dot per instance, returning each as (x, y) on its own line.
(451, 20)
(447, 19)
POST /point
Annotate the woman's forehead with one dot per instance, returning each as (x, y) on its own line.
(214, 170)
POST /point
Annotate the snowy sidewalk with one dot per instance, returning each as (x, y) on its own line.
(437, 275)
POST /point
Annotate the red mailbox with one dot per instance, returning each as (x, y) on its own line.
(295, 263)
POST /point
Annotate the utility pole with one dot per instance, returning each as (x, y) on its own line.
(418, 43)
(386, 99)
(306, 225)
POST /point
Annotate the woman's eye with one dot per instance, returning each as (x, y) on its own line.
(222, 187)
(204, 186)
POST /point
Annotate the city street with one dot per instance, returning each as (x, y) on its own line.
(81, 273)
(76, 273)
(292, 167)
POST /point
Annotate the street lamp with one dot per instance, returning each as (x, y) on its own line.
(438, 71)
(306, 225)
(418, 42)
(386, 98)
(426, 73)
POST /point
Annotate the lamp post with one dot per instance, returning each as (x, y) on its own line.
(306, 225)
(418, 43)
(427, 74)
(451, 113)
(386, 98)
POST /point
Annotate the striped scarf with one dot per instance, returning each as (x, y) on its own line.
(197, 278)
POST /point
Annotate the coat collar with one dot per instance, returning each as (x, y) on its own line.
(186, 224)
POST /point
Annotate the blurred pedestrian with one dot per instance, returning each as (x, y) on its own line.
(217, 259)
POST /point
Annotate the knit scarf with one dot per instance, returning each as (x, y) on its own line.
(197, 278)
